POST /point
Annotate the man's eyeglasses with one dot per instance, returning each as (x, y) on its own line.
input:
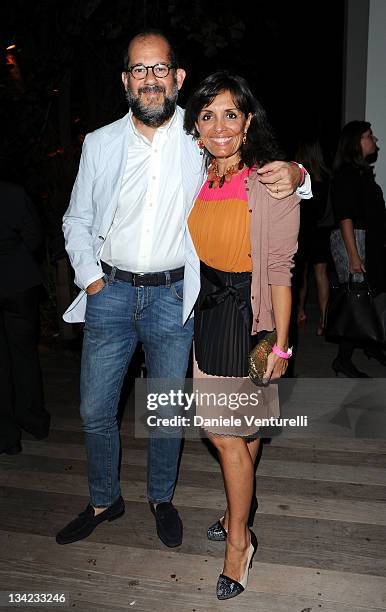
(159, 70)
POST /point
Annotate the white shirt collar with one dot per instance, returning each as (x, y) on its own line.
(167, 128)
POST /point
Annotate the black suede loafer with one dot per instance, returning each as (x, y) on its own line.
(168, 522)
(85, 523)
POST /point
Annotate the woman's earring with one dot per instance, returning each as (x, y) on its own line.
(245, 138)
(201, 146)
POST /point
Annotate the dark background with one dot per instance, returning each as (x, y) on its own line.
(69, 56)
(60, 77)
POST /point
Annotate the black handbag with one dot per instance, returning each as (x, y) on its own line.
(354, 313)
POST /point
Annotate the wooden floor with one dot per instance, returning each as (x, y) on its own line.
(321, 523)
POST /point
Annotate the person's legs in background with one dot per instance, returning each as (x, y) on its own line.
(20, 373)
(323, 288)
(302, 293)
(9, 430)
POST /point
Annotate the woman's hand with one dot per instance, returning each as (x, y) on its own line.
(356, 265)
(276, 367)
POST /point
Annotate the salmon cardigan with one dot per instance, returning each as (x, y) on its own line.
(274, 228)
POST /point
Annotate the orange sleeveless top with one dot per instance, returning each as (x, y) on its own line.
(219, 226)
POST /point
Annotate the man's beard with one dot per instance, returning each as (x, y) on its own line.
(153, 116)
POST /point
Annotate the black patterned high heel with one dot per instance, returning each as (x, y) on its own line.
(217, 531)
(226, 586)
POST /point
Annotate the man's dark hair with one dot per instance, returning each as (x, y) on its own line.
(349, 149)
(261, 145)
(173, 58)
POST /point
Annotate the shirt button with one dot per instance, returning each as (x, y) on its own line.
(153, 177)
(253, 297)
(250, 210)
(249, 254)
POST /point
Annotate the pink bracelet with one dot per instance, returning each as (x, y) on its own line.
(280, 353)
(303, 173)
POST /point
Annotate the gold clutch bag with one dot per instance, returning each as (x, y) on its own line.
(257, 359)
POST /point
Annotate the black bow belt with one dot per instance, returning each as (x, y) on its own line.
(223, 292)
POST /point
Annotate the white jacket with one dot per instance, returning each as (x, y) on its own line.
(94, 200)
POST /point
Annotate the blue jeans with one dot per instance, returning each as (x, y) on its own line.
(117, 318)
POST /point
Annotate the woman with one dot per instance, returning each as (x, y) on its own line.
(246, 241)
(357, 245)
(314, 234)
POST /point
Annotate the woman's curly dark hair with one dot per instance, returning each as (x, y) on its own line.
(261, 145)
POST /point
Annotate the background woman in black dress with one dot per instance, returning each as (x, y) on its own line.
(358, 244)
(314, 235)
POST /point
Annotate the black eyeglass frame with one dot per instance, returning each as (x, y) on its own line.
(168, 66)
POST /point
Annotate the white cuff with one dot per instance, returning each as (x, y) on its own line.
(305, 191)
(92, 280)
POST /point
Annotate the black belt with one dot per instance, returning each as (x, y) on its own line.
(225, 291)
(154, 279)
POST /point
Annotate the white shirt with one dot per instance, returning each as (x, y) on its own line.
(147, 233)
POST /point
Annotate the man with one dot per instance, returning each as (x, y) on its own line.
(134, 260)
(22, 402)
